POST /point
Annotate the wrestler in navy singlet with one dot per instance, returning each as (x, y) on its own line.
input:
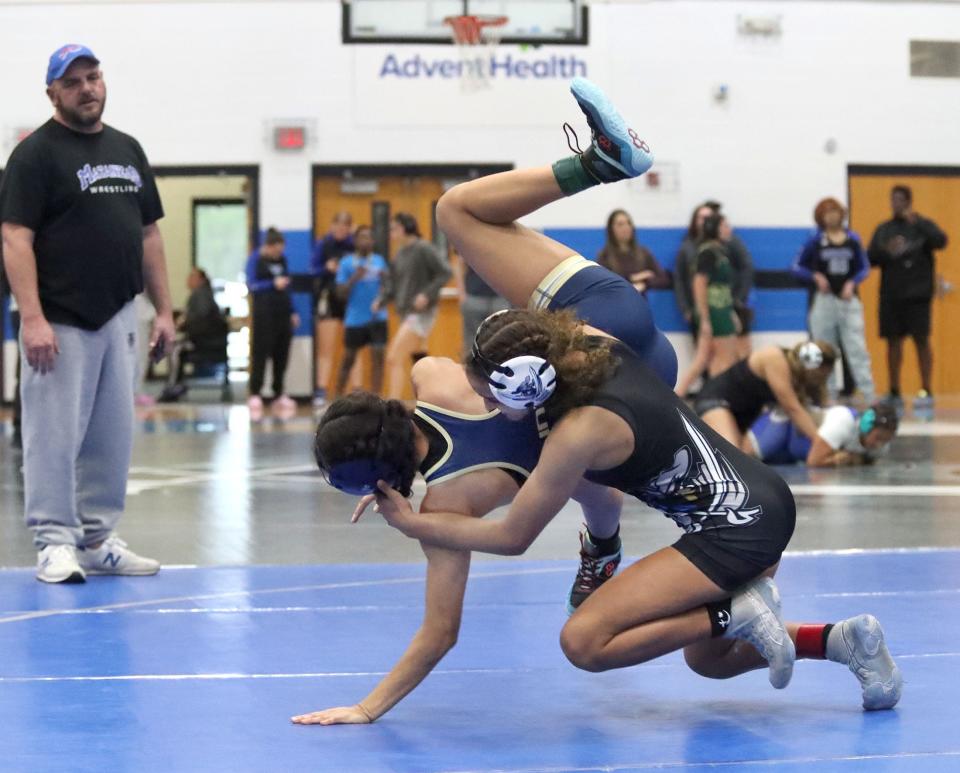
(738, 514)
(609, 303)
(461, 443)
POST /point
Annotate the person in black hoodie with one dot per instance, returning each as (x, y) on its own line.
(273, 320)
(903, 249)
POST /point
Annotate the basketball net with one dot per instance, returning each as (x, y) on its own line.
(477, 38)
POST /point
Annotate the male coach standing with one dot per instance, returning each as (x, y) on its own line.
(78, 208)
(903, 249)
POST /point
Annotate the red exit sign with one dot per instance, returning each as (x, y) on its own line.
(289, 137)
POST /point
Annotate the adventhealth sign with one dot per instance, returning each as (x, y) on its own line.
(493, 66)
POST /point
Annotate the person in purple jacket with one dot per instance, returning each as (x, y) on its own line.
(274, 320)
(833, 261)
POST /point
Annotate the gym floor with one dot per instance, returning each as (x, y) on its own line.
(272, 604)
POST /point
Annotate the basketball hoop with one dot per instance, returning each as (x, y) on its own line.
(477, 38)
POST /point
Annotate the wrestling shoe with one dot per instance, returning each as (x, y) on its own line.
(58, 563)
(594, 571)
(858, 643)
(897, 402)
(616, 151)
(923, 406)
(755, 618)
(114, 557)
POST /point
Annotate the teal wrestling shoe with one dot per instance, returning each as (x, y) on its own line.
(616, 152)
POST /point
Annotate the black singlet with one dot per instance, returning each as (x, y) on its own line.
(679, 465)
(739, 390)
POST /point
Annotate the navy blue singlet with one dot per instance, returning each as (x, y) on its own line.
(461, 443)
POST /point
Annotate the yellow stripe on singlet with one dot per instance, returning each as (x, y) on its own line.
(557, 278)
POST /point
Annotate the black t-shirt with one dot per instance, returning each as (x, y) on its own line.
(87, 198)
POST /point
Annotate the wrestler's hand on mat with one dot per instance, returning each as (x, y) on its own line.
(362, 505)
(342, 715)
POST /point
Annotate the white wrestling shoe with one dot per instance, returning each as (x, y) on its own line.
(755, 618)
(114, 557)
(858, 643)
(58, 563)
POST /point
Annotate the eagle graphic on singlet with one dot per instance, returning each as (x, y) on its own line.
(701, 489)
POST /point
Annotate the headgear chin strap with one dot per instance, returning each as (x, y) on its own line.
(360, 476)
(810, 355)
(525, 381)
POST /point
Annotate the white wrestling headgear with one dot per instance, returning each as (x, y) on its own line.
(524, 381)
(810, 355)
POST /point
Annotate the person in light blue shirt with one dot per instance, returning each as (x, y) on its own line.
(359, 278)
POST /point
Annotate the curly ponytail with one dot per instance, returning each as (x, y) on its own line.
(362, 426)
(556, 336)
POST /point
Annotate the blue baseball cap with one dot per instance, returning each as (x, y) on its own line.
(64, 56)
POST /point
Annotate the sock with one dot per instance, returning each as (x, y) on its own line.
(812, 641)
(834, 647)
(605, 546)
(572, 176)
(320, 392)
(719, 614)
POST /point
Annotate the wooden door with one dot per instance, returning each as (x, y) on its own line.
(417, 196)
(937, 198)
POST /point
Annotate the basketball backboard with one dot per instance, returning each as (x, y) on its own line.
(532, 22)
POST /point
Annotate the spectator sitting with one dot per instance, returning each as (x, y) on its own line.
(622, 255)
(202, 332)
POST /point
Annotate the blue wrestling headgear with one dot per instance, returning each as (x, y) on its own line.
(524, 381)
(360, 476)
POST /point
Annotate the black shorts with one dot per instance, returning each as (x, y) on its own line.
(328, 304)
(373, 334)
(734, 555)
(900, 318)
(745, 315)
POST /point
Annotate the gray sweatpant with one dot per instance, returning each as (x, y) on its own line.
(840, 323)
(78, 433)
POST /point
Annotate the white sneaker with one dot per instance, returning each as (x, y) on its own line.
(755, 618)
(860, 646)
(58, 563)
(114, 557)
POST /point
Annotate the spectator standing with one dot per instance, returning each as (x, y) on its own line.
(903, 249)
(622, 255)
(79, 207)
(478, 300)
(268, 280)
(417, 274)
(741, 262)
(833, 261)
(359, 280)
(714, 313)
(324, 262)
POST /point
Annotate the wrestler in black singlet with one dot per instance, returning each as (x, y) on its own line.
(738, 513)
(739, 390)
